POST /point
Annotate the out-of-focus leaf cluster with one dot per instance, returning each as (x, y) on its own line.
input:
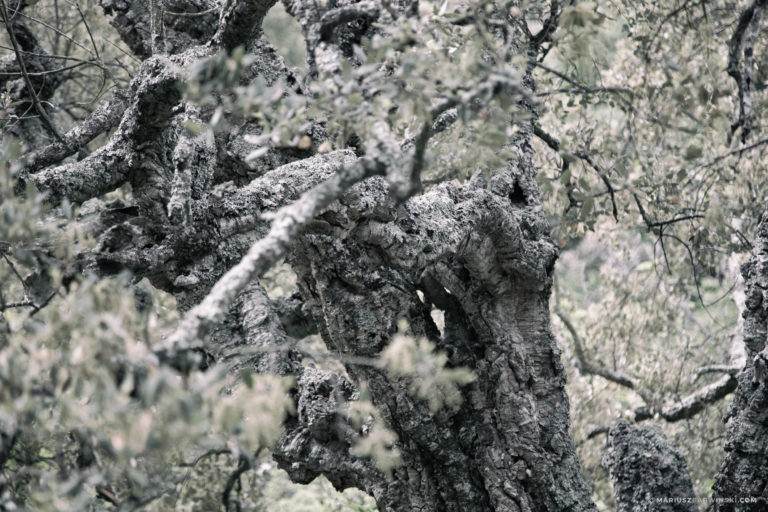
(86, 407)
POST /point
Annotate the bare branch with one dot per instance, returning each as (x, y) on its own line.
(698, 400)
(717, 368)
(693, 403)
(244, 464)
(584, 155)
(588, 367)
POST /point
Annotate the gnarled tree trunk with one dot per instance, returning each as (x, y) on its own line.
(480, 252)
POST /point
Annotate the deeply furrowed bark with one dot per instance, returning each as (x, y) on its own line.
(507, 446)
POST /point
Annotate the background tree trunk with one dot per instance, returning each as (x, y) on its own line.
(647, 472)
(742, 483)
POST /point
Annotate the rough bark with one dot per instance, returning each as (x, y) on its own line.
(742, 483)
(648, 473)
(506, 447)
(150, 28)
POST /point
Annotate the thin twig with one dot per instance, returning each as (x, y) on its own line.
(243, 466)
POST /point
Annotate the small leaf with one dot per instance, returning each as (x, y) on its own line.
(693, 152)
(247, 376)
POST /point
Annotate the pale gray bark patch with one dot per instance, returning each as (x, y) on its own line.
(265, 348)
(648, 473)
(194, 159)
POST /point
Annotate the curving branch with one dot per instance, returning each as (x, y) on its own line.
(345, 14)
(693, 403)
(240, 21)
(99, 173)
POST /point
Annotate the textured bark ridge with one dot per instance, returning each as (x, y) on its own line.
(199, 225)
(648, 473)
(484, 257)
(744, 473)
